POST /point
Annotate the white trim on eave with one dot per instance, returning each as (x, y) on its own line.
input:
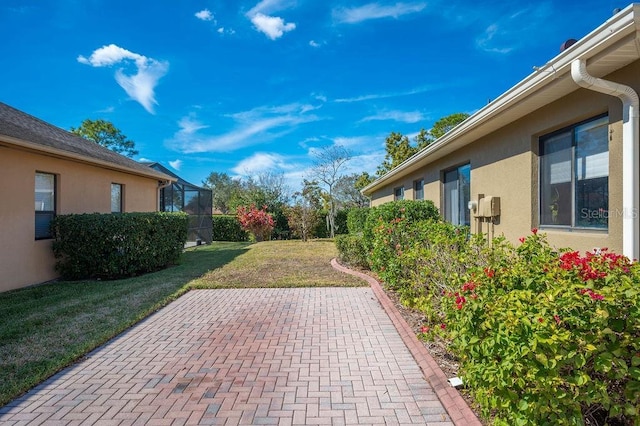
(615, 29)
(12, 142)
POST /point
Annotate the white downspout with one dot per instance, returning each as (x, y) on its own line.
(630, 151)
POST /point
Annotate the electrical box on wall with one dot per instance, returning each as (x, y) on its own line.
(489, 206)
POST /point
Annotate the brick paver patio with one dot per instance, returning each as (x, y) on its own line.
(245, 356)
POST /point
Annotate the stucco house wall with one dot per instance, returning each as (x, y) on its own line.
(83, 185)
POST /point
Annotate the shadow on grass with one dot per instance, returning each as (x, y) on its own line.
(45, 328)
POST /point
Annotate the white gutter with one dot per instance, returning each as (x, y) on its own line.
(630, 151)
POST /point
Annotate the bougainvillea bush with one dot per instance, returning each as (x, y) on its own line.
(548, 337)
(256, 221)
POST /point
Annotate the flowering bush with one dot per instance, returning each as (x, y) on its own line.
(549, 338)
(256, 221)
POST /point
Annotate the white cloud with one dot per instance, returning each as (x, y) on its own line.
(204, 15)
(272, 26)
(401, 116)
(176, 164)
(314, 43)
(375, 11)
(270, 6)
(145, 160)
(251, 127)
(139, 86)
(512, 31)
(262, 162)
(388, 95)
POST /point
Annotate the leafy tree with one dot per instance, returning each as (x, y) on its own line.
(447, 123)
(327, 169)
(348, 194)
(398, 147)
(106, 134)
(223, 188)
(303, 217)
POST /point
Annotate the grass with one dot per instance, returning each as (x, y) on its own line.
(280, 264)
(46, 328)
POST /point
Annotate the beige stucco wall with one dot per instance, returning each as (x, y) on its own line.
(505, 164)
(81, 188)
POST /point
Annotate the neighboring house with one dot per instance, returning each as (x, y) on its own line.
(197, 202)
(559, 150)
(48, 171)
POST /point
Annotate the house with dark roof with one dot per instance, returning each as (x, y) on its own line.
(48, 171)
(558, 151)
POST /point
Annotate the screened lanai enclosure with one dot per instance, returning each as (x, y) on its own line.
(182, 196)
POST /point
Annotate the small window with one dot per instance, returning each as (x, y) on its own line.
(574, 176)
(398, 193)
(45, 204)
(116, 198)
(418, 189)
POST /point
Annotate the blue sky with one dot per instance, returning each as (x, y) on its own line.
(247, 87)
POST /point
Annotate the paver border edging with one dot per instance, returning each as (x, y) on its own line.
(457, 408)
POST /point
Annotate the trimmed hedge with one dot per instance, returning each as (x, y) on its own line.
(111, 246)
(228, 228)
(357, 219)
(351, 250)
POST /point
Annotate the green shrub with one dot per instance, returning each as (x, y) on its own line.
(546, 338)
(228, 228)
(351, 250)
(356, 219)
(341, 222)
(110, 246)
(409, 210)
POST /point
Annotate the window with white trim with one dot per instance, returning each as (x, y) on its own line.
(574, 176)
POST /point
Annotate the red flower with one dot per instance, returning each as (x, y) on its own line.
(521, 239)
(442, 326)
(540, 320)
(535, 231)
(489, 273)
(424, 329)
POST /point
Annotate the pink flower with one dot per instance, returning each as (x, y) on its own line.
(557, 318)
(424, 329)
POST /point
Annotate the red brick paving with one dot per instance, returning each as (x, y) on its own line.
(246, 356)
(450, 398)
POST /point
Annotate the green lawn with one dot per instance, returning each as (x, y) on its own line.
(45, 328)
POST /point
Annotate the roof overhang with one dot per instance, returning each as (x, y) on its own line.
(22, 145)
(608, 48)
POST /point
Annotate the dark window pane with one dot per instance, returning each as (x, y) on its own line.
(43, 223)
(555, 180)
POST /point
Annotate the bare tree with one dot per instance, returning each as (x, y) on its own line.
(327, 169)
